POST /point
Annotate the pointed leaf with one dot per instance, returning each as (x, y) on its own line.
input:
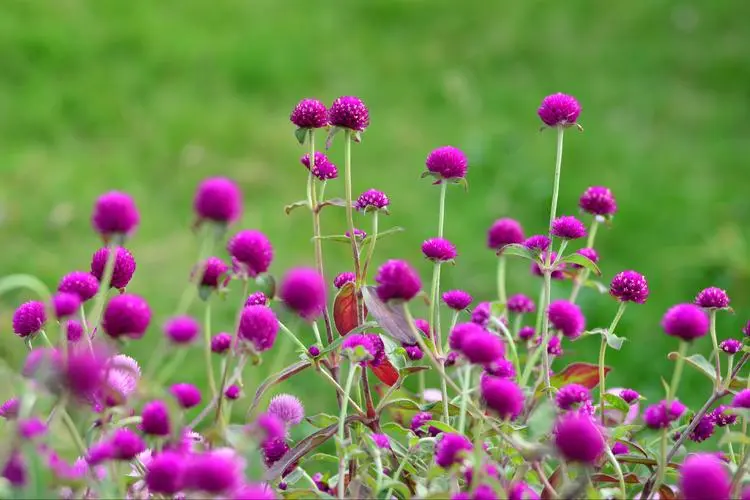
(390, 318)
(518, 251)
(33, 283)
(301, 203)
(333, 202)
(321, 420)
(616, 402)
(597, 285)
(301, 135)
(630, 478)
(585, 374)
(402, 404)
(697, 362)
(345, 309)
(441, 426)
(339, 238)
(384, 234)
(581, 260)
(385, 372)
(275, 379)
(437, 408)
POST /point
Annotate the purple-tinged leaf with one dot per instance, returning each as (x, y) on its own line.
(390, 318)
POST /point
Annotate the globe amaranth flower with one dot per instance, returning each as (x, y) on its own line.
(372, 200)
(233, 392)
(182, 329)
(568, 227)
(252, 250)
(213, 271)
(685, 321)
(29, 318)
(578, 439)
(31, 428)
(458, 300)
(216, 472)
(257, 299)
(396, 280)
(381, 441)
(359, 234)
(15, 470)
(287, 408)
(419, 420)
(218, 199)
(303, 290)
(452, 449)
(379, 350)
(258, 325)
(482, 347)
(571, 395)
(257, 492)
(520, 304)
(629, 396)
(522, 491)
(462, 331)
(537, 243)
(439, 250)
(557, 271)
(155, 418)
(413, 351)
(121, 380)
(322, 168)
(663, 413)
(703, 430)
(502, 368)
(313, 351)
(81, 283)
(629, 286)
(526, 333)
(703, 476)
(502, 396)
(84, 371)
(721, 418)
(343, 278)
(504, 232)
(273, 450)
(165, 473)
(65, 304)
(309, 113)
(731, 346)
(126, 444)
(126, 315)
(447, 162)
(187, 395)
(598, 200)
(559, 110)
(712, 298)
(73, 330)
(566, 317)
(554, 346)
(589, 253)
(115, 214)
(268, 426)
(742, 399)
(9, 409)
(349, 112)
(221, 342)
(359, 348)
(481, 314)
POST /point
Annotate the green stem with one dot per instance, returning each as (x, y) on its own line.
(292, 336)
(340, 390)
(46, 340)
(677, 374)
(618, 470)
(342, 427)
(511, 343)
(441, 210)
(464, 398)
(592, 232)
(545, 328)
(581, 279)
(207, 348)
(71, 427)
(732, 456)
(501, 293)
(444, 391)
(371, 248)
(348, 194)
(602, 353)
(317, 333)
(662, 466)
(558, 168)
(536, 353)
(192, 289)
(717, 352)
(434, 303)
(454, 320)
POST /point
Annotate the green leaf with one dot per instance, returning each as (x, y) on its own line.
(301, 135)
(734, 437)
(321, 420)
(616, 403)
(276, 378)
(518, 251)
(497, 309)
(540, 422)
(340, 238)
(397, 486)
(597, 285)
(613, 340)
(740, 412)
(622, 431)
(267, 284)
(441, 426)
(297, 204)
(322, 457)
(576, 258)
(391, 318)
(402, 404)
(437, 408)
(303, 494)
(13, 281)
(697, 362)
(333, 202)
(331, 134)
(383, 234)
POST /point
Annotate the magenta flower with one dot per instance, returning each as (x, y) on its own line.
(353, 342)
(218, 199)
(423, 326)
(309, 113)
(371, 200)
(520, 304)
(216, 472)
(537, 243)
(29, 318)
(252, 250)
(359, 235)
(703, 430)
(268, 426)
(721, 418)
(213, 270)
(589, 253)
(685, 321)
(482, 348)
(258, 325)
(80, 283)
(413, 351)
(126, 315)
(31, 428)
(221, 342)
(629, 286)
(397, 281)
(256, 492)
(343, 278)
(165, 473)
(502, 396)
(381, 441)
(15, 470)
(571, 395)
(578, 439)
(501, 368)
(620, 448)
(452, 449)
(323, 169)
(349, 112)
(313, 351)
(287, 408)
(662, 414)
(439, 250)
(126, 445)
(273, 449)
(182, 329)
(521, 491)
(155, 418)
(447, 163)
(566, 317)
(746, 329)
(526, 333)
(233, 392)
(84, 371)
(557, 272)
(257, 299)
(703, 476)
(598, 200)
(568, 227)
(73, 330)
(504, 232)
(115, 214)
(629, 395)
(481, 314)
(9, 409)
(742, 399)
(712, 298)
(419, 420)
(554, 347)
(462, 331)
(731, 346)
(559, 110)
(187, 395)
(303, 291)
(65, 304)
(458, 300)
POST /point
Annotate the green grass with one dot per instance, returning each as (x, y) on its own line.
(150, 97)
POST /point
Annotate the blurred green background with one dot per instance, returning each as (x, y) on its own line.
(151, 97)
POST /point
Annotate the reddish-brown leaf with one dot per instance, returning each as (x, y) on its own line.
(666, 492)
(584, 374)
(386, 372)
(345, 309)
(554, 481)
(630, 478)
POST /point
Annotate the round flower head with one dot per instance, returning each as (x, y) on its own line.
(663, 413)
(344, 278)
(268, 426)
(712, 298)
(413, 351)
(458, 300)
(381, 441)
(155, 418)
(257, 492)
(452, 449)
(218, 199)
(731, 346)
(526, 333)
(502, 368)
(181, 329)
(80, 283)
(233, 392)
(557, 272)
(359, 347)
(482, 347)
(397, 281)
(213, 270)
(126, 315)
(502, 396)
(165, 473)
(566, 317)
(742, 399)
(521, 491)
(359, 235)
(372, 199)
(447, 162)
(629, 395)
(537, 243)
(187, 395)
(126, 444)
(313, 351)
(504, 232)
(521, 304)
(554, 347)
(65, 304)
(481, 314)
(73, 330)
(15, 470)
(31, 428)
(721, 418)
(115, 214)
(29, 318)
(257, 299)
(252, 251)
(703, 476)
(598, 200)
(571, 395)
(309, 113)
(221, 342)
(323, 169)
(423, 326)
(9, 409)
(559, 110)
(258, 324)
(578, 439)
(589, 253)
(462, 331)
(746, 329)
(629, 286)
(568, 227)
(686, 321)
(303, 291)
(84, 371)
(216, 472)
(273, 450)
(349, 112)
(439, 250)
(703, 430)
(287, 408)
(122, 376)
(620, 448)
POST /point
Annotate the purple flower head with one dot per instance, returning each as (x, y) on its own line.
(349, 112)
(504, 232)
(122, 376)
(221, 342)
(65, 304)
(554, 347)
(309, 113)
(381, 441)
(15, 470)
(481, 314)
(313, 351)
(742, 399)
(29, 318)
(126, 444)
(663, 413)
(571, 395)
(73, 330)
(413, 352)
(502, 396)
(273, 449)
(557, 272)
(397, 281)
(526, 333)
(187, 395)
(566, 317)
(379, 346)
(620, 448)
(629, 396)
(126, 315)
(268, 426)
(439, 250)
(703, 476)
(371, 200)
(447, 162)
(218, 199)
(462, 331)
(214, 270)
(303, 291)
(731, 346)
(703, 430)
(257, 299)
(520, 304)
(452, 449)
(233, 392)
(257, 492)
(359, 347)
(9, 409)
(287, 408)
(559, 110)
(31, 428)
(258, 324)
(537, 243)
(165, 473)
(589, 253)
(485, 492)
(686, 321)
(578, 439)
(155, 418)
(81, 283)
(323, 169)
(458, 300)
(568, 227)
(343, 278)
(252, 250)
(84, 371)
(712, 298)
(482, 347)
(521, 491)
(115, 213)
(629, 286)
(419, 420)
(359, 235)
(216, 472)
(598, 200)
(451, 359)
(181, 329)
(102, 451)
(721, 418)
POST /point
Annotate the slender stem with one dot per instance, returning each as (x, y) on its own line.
(397, 474)
(602, 353)
(444, 398)
(511, 343)
(732, 456)
(71, 427)
(737, 479)
(516, 328)
(207, 348)
(191, 291)
(316, 331)
(663, 459)
(348, 194)
(501, 293)
(46, 340)
(677, 374)
(371, 248)
(441, 210)
(592, 232)
(231, 355)
(558, 168)
(211, 405)
(454, 320)
(464, 398)
(104, 286)
(292, 336)
(543, 477)
(342, 427)
(581, 279)
(434, 306)
(545, 328)
(717, 352)
(379, 467)
(618, 470)
(536, 353)
(340, 390)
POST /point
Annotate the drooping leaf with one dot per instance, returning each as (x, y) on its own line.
(322, 457)
(383, 234)
(345, 309)
(385, 372)
(581, 260)
(613, 340)
(616, 403)
(402, 404)
(333, 202)
(436, 408)
(519, 251)
(397, 486)
(697, 362)
(390, 318)
(585, 374)
(541, 420)
(301, 135)
(340, 238)
(597, 285)
(666, 492)
(292, 206)
(276, 378)
(635, 446)
(321, 420)
(442, 426)
(630, 478)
